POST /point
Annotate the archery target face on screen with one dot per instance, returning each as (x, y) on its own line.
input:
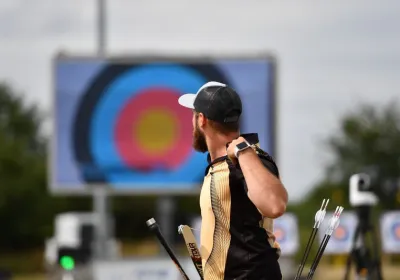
(137, 125)
(120, 124)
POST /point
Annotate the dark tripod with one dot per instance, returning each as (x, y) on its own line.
(368, 264)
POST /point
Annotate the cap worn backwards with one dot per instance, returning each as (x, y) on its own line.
(217, 101)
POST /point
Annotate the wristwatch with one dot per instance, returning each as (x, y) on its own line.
(241, 147)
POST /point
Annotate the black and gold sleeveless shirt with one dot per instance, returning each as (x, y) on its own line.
(237, 242)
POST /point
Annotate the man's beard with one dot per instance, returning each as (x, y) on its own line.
(199, 140)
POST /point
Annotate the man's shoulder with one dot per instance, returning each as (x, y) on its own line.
(265, 157)
(267, 160)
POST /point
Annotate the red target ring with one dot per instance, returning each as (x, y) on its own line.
(153, 130)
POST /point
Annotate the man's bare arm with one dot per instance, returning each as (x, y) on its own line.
(265, 190)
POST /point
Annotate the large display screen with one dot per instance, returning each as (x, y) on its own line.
(118, 122)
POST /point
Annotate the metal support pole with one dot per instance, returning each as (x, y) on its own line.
(101, 207)
(166, 209)
(101, 27)
(101, 201)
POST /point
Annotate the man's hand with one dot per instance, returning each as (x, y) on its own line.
(231, 148)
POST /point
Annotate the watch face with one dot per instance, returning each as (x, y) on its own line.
(242, 145)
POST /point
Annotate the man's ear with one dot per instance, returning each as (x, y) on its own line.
(202, 120)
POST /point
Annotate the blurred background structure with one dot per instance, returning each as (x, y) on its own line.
(93, 144)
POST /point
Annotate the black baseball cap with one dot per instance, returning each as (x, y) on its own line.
(216, 101)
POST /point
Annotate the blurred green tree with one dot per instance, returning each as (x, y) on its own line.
(23, 204)
(26, 208)
(368, 141)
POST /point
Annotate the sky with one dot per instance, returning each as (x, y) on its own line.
(332, 55)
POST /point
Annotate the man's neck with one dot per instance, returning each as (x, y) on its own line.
(217, 145)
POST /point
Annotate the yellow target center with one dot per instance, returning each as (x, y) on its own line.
(155, 131)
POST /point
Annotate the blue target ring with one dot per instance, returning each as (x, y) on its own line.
(95, 123)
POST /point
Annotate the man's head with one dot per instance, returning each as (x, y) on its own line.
(216, 110)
